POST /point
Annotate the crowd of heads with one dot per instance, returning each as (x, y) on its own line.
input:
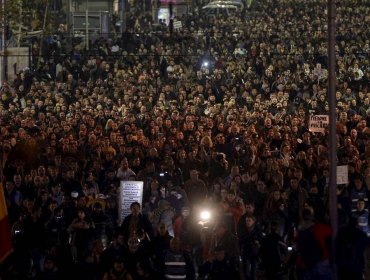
(223, 104)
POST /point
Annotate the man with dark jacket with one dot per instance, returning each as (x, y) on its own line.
(177, 264)
(297, 196)
(220, 267)
(102, 222)
(225, 238)
(313, 245)
(272, 252)
(161, 243)
(195, 188)
(250, 241)
(358, 191)
(351, 243)
(135, 221)
(117, 248)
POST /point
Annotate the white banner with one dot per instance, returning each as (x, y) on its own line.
(342, 174)
(318, 123)
(129, 192)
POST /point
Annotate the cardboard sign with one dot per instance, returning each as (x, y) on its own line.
(318, 123)
(177, 24)
(129, 192)
(342, 174)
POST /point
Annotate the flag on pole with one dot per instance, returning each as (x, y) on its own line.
(5, 234)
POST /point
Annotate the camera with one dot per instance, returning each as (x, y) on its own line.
(162, 174)
(205, 217)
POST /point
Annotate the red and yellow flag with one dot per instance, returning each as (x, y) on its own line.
(5, 234)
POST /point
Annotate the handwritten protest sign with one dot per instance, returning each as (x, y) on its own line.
(318, 123)
(129, 192)
(342, 174)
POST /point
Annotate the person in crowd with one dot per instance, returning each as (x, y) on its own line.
(81, 234)
(56, 227)
(224, 237)
(116, 248)
(313, 243)
(103, 225)
(232, 210)
(144, 271)
(220, 267)
(164, 214)
(124, 172)
(215, 190)
(136, 253)
(249, 211)
(33, 232)
(50, 270)
(351, 243)
(92, 266)
(362, 216)
(344, 205)
(177, 263)
(118, 272)
(13, 196)
(195, 188)
(297, 196)
(273, 252)
(135, 221)
(358, 191)
(177, 198)
(276, 211)
(161, 243)
(250, 242)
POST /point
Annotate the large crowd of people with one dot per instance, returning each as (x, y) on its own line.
(215, 116)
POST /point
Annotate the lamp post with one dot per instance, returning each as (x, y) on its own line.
(87, 24)
(3, 57)
(123, 17)
(333, 210)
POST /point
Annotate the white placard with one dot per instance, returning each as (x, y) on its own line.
(342, 174)
(129, 192)
(318, 123)
(177, 24)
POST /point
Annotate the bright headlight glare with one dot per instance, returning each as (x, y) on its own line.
(205, 215)
(205, 64)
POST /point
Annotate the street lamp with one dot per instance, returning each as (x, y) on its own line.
(333, 210)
